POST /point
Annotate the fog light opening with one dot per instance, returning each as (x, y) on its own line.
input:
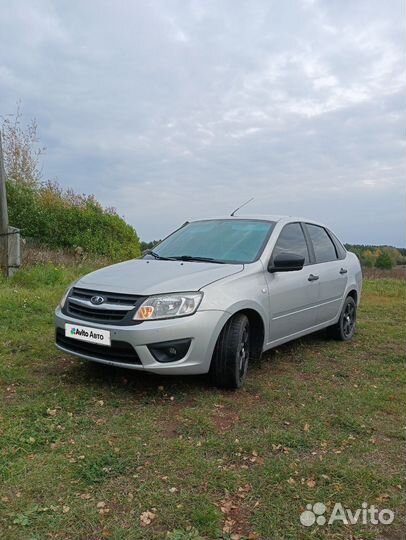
(170, 351)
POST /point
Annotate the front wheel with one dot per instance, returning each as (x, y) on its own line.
(344, 329)
(231, 354)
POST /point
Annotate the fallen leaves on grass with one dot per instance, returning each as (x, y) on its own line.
(147, 517)
(227, 506)
(242, 490)
(280, 448)
(102, 507)
(237, 514)
(242, 461)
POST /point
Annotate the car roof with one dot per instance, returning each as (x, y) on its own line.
(263, 217)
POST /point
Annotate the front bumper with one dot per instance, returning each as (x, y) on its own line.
(202, 329)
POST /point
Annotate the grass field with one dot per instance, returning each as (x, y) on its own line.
(91, 452)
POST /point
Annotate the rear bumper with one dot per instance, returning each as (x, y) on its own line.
(202, 329)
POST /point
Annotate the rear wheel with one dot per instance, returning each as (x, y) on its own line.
(231, 354)
(344, 329)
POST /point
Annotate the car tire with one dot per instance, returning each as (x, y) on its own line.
(230, 358)
(344, 329)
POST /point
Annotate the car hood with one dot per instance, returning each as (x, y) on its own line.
(146, 276)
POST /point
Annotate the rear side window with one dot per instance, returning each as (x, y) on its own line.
(323, 246)
(292, 240)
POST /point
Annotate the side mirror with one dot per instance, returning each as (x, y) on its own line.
(286, 262)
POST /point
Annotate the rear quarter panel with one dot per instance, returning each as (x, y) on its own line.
(355, 274)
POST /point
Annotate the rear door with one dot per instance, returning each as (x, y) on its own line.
(293, 297)
(330, 270)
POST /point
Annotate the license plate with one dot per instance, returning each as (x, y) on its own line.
(85, 333)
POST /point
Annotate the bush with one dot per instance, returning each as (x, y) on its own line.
(62, 219)
(384, 261)
(366, 262)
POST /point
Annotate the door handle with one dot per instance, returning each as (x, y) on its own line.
(312, 277)
(343, 271)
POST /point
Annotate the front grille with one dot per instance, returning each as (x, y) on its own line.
(117, 308)
(119, 351)
(111, 298)
(84, 312)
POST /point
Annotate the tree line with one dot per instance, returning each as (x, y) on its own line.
(385, 257)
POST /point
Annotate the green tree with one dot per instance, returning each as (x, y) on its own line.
(148, 245)
(394, 254)
(367, 261)
(384, 261)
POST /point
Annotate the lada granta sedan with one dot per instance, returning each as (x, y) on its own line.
(213, 295)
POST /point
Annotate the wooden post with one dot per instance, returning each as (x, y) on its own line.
(3, 217)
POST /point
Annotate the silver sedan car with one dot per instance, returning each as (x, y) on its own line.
(213, 295)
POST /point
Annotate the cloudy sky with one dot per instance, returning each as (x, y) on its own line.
(170, 110)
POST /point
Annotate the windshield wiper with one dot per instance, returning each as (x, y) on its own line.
(182, 258)
(199, 259)
(156, 256)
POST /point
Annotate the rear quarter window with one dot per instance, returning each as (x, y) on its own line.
(341, 251)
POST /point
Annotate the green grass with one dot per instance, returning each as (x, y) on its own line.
(86, 450)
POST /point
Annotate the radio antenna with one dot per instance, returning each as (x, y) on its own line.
(239, 208)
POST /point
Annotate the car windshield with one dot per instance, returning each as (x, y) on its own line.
(222, 241)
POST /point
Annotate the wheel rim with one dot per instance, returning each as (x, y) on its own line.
(243, 354)
(349, 320)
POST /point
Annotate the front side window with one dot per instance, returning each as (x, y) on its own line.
(323, 246)
(292, 240)
(227, 241)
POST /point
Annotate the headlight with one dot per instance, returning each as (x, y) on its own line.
(65, 295)
(167, 306)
